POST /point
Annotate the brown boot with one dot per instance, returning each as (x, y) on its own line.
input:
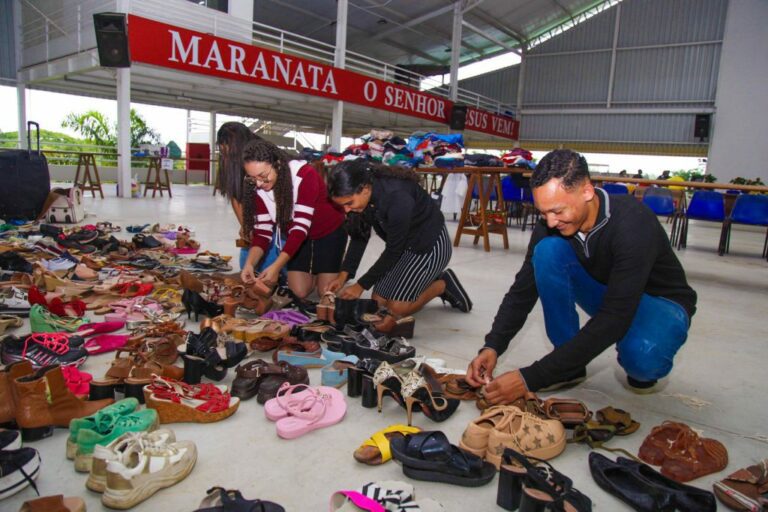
(7, 398)
(44, 402)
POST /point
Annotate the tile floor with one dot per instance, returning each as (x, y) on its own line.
(721, 364)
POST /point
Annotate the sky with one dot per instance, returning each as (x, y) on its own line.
(49, 109)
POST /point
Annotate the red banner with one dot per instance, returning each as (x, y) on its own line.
(160, 44)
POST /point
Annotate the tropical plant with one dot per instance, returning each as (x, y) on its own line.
(98, 129)
(50, 142)
(744, 181)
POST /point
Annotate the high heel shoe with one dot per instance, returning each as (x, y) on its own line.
(388, 378)
(203, 355)
(194, 303)
(422, 387)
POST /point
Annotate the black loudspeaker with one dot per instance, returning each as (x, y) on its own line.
(458, 117)
(701, 126)
(112, 39)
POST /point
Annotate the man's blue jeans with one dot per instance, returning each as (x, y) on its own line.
(659, 329)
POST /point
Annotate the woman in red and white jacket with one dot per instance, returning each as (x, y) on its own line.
(292, 198)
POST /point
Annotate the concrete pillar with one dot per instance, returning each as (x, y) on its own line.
(738, 145)
(456, 49)
(339, 61)
(124, 131)
(21, 102)
(212, 142)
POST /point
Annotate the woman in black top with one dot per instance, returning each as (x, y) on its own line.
(411, 270)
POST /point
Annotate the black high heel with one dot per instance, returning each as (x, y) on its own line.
(350, 312)
(423, 388)
(202, 356)
(194, 303)
(363, 368)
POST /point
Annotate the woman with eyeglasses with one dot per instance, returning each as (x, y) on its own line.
(231, 140)
(411, 270)
(290, 198)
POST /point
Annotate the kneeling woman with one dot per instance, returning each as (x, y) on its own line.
(412, 269)
(290, 197)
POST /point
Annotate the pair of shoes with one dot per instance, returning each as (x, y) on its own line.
(42, 320)
(411, 386)
(530, 484)
(104, 427)
(219, 499)
(299, 409)
(429, 456)
(376, 450)
(143, 468)
(262, 379)
(454, 293)
(644, 489)
(194, 303)
(681, 453)
(178, 402)
(43, 349)
(210, 354)
(14, 301)
(389, 495)
(506, 426)
(19, 466)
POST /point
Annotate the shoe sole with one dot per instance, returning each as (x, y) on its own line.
(450, 276)
(15, 482)
(123, 500)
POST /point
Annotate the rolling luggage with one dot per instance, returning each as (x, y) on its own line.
(24, 180)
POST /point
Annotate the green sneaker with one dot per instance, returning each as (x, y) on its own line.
(119, 408)
(106, 432)
(42, 320)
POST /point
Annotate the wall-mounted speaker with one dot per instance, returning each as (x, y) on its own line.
(701, 126)
(458, 117)
(112, 39)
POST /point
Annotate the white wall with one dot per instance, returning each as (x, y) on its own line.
(242, 9)
(739, 133)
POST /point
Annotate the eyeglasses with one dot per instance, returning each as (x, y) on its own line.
(258, 179)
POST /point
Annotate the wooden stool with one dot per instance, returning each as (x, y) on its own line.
(85, 162)
(466, 226)
(157, 184)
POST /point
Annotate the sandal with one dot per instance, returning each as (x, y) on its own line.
(429, 456)
(220, 500)
(745, 489)
(177, 402)
(328, 408)
(9, 322)
(375, 450)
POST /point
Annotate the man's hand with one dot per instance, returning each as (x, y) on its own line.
(353, 291)
(247, 274)
(506, 388)
(480, 370)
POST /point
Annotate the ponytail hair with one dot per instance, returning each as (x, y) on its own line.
(350, 177)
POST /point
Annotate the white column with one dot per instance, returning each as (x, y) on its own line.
(21, 102)
(339, 61)
(456, 49)
(212, 142)
(124, 131)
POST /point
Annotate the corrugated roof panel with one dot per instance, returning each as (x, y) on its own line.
(576, 78)
(595, 33)
(500, 84)
(662, 128)
(645, 22)
(667, 74)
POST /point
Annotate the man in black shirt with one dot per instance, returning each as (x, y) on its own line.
(610, 256)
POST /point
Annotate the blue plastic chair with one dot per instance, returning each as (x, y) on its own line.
(662, 202)
(705, 205)
(748, 209)
(517, 194)
(615, 188)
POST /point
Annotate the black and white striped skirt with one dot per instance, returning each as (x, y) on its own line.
(413, 272)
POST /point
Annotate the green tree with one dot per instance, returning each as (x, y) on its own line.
(50, 142)
(98, 129)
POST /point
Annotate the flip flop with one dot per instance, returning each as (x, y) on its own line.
(330, 409)
(375, 450)
(276, 408)
(105, 343)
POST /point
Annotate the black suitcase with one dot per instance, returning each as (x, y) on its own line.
(24, 180)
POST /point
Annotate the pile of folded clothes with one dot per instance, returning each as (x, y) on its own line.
(381, 146)
(519, 157)
(437, 149)
(482, 160)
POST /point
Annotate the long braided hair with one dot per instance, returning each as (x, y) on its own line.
(261, 150)
(351, 176)
(231, 139)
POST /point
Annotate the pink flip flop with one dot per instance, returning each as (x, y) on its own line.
(362, 502)
(330, 409)
(99, 328)
(275, 408)
(105, 343)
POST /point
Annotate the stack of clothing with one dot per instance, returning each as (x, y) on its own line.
(519, 157)
(381, 146)
(482, 160)
(437, 150)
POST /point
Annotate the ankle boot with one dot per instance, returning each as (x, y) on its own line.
(7, 398)
(44, 402)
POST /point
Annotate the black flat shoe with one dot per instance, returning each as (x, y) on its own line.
(221, 500)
